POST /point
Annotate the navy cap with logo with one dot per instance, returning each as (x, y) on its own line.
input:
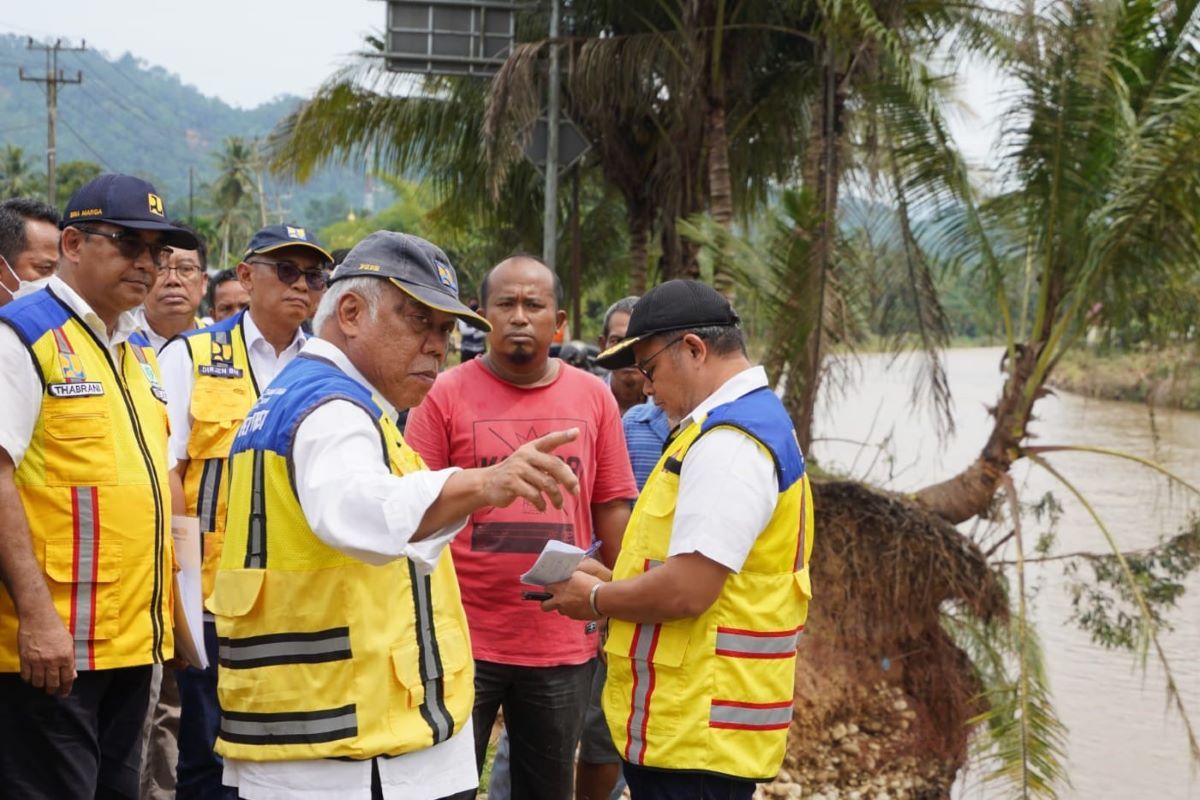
(418, 268)
(672, 306)
(276, 237)
(126, 201)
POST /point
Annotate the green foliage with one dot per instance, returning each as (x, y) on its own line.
(1103, 603)
(1023, 742)
(17, 178)
(73, 175)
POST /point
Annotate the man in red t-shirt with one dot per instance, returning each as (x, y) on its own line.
(537, 666)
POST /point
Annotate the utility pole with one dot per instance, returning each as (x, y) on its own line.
(550, 220)
(53, 77)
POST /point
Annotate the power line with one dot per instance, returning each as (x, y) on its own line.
(90, 149)
(53, 77)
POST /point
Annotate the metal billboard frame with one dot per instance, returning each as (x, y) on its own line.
(450, 37)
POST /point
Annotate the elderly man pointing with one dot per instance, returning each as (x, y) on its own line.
(346, 669)
(711, 588)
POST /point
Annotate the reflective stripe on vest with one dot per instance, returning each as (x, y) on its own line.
(210, 487)
(739, 643)
(290, 727)
(86, 531)
(305, 647)
(645, 640)
(734, 715)
(433, 710)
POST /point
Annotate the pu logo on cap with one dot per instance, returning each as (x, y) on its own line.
(446, 277)
(296, 233)
(156, 204)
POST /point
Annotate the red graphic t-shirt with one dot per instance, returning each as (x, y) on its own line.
(471, 418)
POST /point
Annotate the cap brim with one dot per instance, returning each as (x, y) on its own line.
(620, 354)
(438, 300)
(172, 236)
(281, 245)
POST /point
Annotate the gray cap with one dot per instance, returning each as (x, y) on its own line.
(418, 268)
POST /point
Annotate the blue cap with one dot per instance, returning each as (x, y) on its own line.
(126, 201)
(414, 266)
(275, 237)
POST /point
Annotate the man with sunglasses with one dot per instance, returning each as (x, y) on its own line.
(85, 545)
(711, 588)
(213, 376)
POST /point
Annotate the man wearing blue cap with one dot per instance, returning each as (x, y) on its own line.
(85, 546)
(346, 668)
(213, 376)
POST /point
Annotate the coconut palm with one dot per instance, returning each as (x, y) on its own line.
(236, 190)
(17, 178)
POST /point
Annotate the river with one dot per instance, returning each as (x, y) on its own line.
(1123, 741)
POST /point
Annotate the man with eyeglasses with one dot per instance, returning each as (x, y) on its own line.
(85, 546)
(170, 308)
(710, 591)
(213, 376)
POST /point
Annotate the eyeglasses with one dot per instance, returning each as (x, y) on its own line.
(186, 272)
(289, 271)
(131, 246)
(649, 373)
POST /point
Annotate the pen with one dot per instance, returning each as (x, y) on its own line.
(593, 549)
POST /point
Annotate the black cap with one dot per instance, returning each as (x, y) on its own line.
(671, 306)
(416, 267)
(274, 237)
(126, 201)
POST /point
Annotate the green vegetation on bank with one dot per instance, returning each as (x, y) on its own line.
(1167, 377)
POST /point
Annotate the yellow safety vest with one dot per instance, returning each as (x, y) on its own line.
(93, 484)
(714, 693)
(323, 655)
(223, 390)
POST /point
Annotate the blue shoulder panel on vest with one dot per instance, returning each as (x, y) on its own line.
(34, 314)
(227, 324)
(761, 415)
(300, 387)
(139, 338)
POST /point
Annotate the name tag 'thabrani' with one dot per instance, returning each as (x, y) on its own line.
(80, 389)
(220, 371)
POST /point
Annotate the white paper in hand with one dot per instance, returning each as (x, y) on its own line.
(189, 596)
(557, 562)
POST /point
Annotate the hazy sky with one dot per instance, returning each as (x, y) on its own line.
(247, 52)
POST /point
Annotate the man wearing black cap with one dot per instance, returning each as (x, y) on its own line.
(710, 591)
(345, 661)
(85, 546)
(213, 376)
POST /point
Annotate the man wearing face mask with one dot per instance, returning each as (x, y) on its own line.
(28, 244)
(170, 309)
(213, 376)
(85, 545)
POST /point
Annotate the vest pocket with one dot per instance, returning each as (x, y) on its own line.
(79, 447)
(217, 410)
(426, 684)
(235, 591)
(88, 590)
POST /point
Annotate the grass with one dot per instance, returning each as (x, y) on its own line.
(1168, 377)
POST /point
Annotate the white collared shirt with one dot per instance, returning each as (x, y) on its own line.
(356, 505)
(21, 381)
(727, 485)
(156, 340)
(175, 364)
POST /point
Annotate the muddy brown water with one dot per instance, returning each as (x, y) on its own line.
(1123, 741)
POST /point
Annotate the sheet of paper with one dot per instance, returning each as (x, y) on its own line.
(189, 599)
(555, 563)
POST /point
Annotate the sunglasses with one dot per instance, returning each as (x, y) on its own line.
(131, 246)
(289, 272)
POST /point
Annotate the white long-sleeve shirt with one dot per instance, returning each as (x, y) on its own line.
(356, 505)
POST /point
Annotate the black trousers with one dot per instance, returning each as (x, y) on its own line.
(88, 744)
(667, 784)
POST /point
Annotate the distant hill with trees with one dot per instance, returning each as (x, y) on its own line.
(130, 116)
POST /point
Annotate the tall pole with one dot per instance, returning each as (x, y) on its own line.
(53, 77)
(550, 222)
(191, 195)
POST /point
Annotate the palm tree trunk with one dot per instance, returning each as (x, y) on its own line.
(720, 188)
(639, 236)
(821, 173)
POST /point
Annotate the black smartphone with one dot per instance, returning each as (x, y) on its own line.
(536, 596)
